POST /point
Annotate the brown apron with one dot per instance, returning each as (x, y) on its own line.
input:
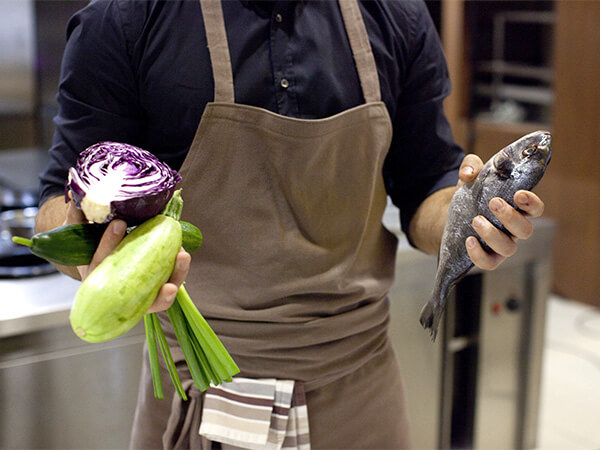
(296, 265)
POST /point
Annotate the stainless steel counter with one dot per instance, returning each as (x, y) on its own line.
(32, 304)
(57, 391)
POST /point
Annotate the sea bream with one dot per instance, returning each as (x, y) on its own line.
(518, 166)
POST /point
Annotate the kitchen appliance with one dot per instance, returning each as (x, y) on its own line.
(15, 198)
(478, 385)
(17, 261)
(19, 169)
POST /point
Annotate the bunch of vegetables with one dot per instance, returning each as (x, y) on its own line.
(120, 181)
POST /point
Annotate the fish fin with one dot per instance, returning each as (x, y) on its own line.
(431, 315)
(432, 312)
(503, 164)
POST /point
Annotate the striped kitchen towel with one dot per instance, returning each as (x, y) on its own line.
(257, 414)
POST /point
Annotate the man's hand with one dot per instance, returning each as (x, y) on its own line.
(516, 222)
(167, 293)
(110, 239)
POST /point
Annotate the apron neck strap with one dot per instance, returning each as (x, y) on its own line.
(361, 50)
(218, 47)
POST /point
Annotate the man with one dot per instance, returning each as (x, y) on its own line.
(289, 122)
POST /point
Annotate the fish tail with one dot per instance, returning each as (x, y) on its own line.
(431, 314)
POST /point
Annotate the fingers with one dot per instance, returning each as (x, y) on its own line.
(164, 299)
(515, 222)
(74, 215)
(110, 239)
(182, 267)
(167, 293)
(481, 258)
(498, 241)
(469, 168)
(529, 203)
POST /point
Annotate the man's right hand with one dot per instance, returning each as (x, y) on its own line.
(48, 218)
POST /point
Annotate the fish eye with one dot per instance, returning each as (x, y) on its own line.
(528, 152)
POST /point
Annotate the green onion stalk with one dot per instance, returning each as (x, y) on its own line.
(206, 357)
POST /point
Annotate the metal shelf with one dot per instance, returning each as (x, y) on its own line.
(522, 82)
(528, 94)
(500, 67)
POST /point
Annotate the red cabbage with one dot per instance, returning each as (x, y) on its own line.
(112, 180)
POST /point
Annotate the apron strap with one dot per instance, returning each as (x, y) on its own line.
(361, 50)
(218, 47)
(355, 29)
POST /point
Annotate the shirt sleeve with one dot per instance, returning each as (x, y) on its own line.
(97, 94)
(423, 157)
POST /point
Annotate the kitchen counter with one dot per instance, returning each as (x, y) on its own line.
(49, 378)
(37, 303)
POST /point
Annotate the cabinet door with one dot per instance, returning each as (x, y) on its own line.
(58, 392)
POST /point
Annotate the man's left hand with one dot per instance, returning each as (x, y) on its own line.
(516, 222)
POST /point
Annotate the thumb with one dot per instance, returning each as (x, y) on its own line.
(469, 168)
(73, 215)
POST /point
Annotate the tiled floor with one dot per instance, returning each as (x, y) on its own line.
(570, 402)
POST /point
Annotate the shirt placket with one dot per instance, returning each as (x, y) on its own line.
(282, 58)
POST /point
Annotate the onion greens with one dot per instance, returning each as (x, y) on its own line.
(206, 357)
(153, 356)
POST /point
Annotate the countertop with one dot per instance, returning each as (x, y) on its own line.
(30, 304)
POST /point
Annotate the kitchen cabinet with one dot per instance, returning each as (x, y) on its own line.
(57, 391)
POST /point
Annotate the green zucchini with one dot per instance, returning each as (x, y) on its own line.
(117, 294)
(74, 245)
(191, 237)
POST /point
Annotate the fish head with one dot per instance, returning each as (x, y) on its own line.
(527, 157)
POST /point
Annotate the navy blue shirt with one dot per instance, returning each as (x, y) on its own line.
(139, 72)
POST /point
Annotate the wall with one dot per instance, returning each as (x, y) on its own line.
(17, 81)
(573, 195)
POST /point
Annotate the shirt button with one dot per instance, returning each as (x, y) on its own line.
(285, 83)
(278, 18)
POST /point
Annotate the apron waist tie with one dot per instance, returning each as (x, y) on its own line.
(245, 413)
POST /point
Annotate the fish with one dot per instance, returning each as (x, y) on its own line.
(520, 165)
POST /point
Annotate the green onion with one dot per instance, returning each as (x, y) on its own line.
(181, 331)
(153, 356)
(203, 360)
(205, 355)
(164, 347)
(218, 357)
